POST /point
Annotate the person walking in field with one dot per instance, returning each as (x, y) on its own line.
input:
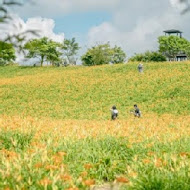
(140, 68)
(114, 113)
(136, 112)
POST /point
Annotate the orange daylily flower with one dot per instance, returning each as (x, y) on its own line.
(122, 180)
(45, 181)
(66, 177)
(89, 182)
(88, 166)
(51, 167)
(38, 165)
(146, 161)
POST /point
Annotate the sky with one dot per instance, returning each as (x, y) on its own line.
(132, 24)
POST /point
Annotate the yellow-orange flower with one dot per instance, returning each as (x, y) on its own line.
(122, 180)
(72, 188)
(38, 165)
(88, 166)
(66, 177)
(146, 161)
(158, 162)
(45, 181)
(62, 153)
(184, 154)
(89, 182)
(51, 167)
(84, 174)
(6, 188)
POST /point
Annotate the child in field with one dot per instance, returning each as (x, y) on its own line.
(114, 113)
(136, 112)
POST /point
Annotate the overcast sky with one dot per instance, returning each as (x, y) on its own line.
(132, 24)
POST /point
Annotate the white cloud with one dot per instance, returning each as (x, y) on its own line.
(142, 37)
(63, 7)
(44, 27)
(180, 4)
(103, 33)
(136, 25)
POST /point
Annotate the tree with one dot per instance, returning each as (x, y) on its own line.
(54, 55)
(148, 57)
(103, 54)
(187, 50)
(7, 53)
(170, 46)
(44, 49)
(119, 55)
(70, 48)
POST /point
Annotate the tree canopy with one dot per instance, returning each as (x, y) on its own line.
(170, 46)
(7, 52)
(119, 55)
(148, 56)
(70, 49)
(103, 54)
(44, 49)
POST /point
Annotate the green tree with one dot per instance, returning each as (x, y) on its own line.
(103, 54)
(148, 56)
(187, 50)
(119, 55)
(44, 49)
(170, 46)
(70, 49)
(7, 53)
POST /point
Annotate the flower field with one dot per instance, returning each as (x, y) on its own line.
(56, 133)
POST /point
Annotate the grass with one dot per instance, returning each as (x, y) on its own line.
(56, 133)
(14, 140)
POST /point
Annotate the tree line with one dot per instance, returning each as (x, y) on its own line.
(56, 54)
(47, 51)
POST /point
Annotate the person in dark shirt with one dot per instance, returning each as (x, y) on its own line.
(137, 112)
(114, 113)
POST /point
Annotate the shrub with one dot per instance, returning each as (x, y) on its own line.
(148, 57)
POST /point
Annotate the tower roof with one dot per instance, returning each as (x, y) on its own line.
(172, 31)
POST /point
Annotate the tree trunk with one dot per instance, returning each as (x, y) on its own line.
(42, 61)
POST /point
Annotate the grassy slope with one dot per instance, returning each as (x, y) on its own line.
(45, 143)
(88, 93)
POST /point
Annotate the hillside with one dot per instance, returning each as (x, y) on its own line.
(56, 132)
(89, 92)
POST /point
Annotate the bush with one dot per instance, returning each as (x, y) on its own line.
(103, 54)
(148, 57)
(7, 53)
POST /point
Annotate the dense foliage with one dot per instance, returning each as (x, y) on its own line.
(103, 54)
(53, 52)
(7, 53)
(70, 49)
(173, 45)
(44, 49)
(148, 57)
